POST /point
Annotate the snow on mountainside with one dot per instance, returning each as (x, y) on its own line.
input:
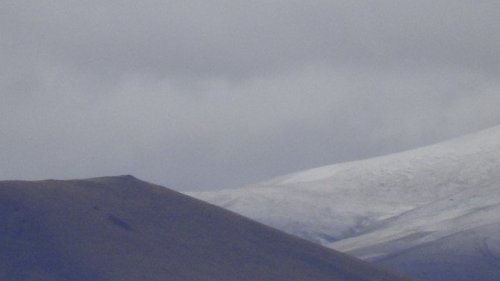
(387, 207)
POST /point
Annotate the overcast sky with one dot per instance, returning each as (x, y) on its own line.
(215, 94)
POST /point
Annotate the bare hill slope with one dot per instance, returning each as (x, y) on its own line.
(120, 228)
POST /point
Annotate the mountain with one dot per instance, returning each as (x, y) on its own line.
(121, 228)
(432, 212)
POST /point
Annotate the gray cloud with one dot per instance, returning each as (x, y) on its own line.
(208, 94)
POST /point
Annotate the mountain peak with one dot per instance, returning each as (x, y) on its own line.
(115, 178)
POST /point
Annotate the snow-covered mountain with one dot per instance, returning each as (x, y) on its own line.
(433, 212)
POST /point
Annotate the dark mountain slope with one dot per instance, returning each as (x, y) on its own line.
(476, 248)
(120, 228)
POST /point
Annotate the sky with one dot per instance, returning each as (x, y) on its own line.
(200, 95)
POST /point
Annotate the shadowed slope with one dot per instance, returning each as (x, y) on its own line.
(120, 228)
(451, 258)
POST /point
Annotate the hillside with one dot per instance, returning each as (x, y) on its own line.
(120, 228)
(432, 212)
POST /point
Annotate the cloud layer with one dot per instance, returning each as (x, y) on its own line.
(210, 94)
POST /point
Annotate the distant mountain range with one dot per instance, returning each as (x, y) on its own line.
(124, 229)
(433, 212)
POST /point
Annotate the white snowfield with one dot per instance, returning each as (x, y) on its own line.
(395, 209)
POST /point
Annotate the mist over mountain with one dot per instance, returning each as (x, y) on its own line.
(121, 228)
(432, 212)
